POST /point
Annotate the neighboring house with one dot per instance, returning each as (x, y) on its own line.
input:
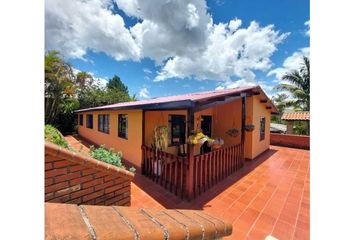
(277, 128)
(292, 117)
(128, 127)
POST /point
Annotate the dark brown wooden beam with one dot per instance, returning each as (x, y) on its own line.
(190, 156)
(143, 142)
(264, 101)
(268, 107)
(243, 118)
(256, 93)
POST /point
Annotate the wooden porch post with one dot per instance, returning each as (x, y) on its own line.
(243, 126)
(190, 156)
(143, 143)
(243, 118)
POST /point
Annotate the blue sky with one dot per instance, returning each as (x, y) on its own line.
(103, 50)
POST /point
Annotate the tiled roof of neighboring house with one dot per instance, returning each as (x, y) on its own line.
(296, 116)
(276, 127)
(185, 100)
(70, 221)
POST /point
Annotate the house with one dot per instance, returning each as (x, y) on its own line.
(185, 169)
(292, 117)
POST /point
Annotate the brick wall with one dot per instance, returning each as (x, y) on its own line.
(68, 221)
(288, 140)
(75, 178)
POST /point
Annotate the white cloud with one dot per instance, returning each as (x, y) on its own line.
(307, 23)
(231, 52)
(144, 93)
(146, 70)
(169, 28)
(179, 35)
(291, 63)
(73, 27)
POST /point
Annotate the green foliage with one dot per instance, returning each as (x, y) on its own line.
(108, 156)
(301, 128)
(298, 85)
(66, 92)
(160, 137)
(59, 88)
(116, 84)
(53, 135)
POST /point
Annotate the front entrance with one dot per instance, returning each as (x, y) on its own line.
(206, 125)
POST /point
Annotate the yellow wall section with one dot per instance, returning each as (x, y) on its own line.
(160, 118)
(224, 117)
(259, 110)
(131, 148)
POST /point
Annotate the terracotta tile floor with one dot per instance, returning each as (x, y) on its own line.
(269, 197)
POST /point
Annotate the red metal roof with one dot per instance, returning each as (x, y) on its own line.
(296, 116)
(189, 97)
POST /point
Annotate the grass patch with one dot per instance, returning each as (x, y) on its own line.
(53, 135)
(108, 156)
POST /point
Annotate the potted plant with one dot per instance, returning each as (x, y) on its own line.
(249, 127)
(160, 142)
(232, 132)
(198, 137)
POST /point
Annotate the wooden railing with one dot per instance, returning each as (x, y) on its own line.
(171, 171)
(166, 169)
(212, 167)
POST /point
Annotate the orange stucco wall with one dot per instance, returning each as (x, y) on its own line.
(224, 117)
(160, 118)
(131, 147)
(258, 110)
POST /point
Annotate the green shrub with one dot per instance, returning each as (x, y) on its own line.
(108, 156)
(53, 135)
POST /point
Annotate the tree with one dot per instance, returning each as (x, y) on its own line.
(59, 86)
(280, 101)
(298, 85)
(84, 79)
(116, 84)
(66, 92)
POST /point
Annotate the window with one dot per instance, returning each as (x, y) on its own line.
(81, 119)
(103, 123)
(177, 129)
(123, 126)
(262, 129)
(89, 121)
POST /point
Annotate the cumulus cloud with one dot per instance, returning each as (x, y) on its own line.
(147, 70)
(307, 23)
(231, 52)
(291, 63)
(73, 27)
(144, 93)
(179, 35)
(169, 28)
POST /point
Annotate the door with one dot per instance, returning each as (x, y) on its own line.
(206, 128)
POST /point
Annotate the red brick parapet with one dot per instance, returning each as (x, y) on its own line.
(289, 140)
(76, 178)
(69, 221)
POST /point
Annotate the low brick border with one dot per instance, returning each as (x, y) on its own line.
(64, 221)
(290, 140)
(72, 177)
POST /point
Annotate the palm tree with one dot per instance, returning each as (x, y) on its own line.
(298, 86)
